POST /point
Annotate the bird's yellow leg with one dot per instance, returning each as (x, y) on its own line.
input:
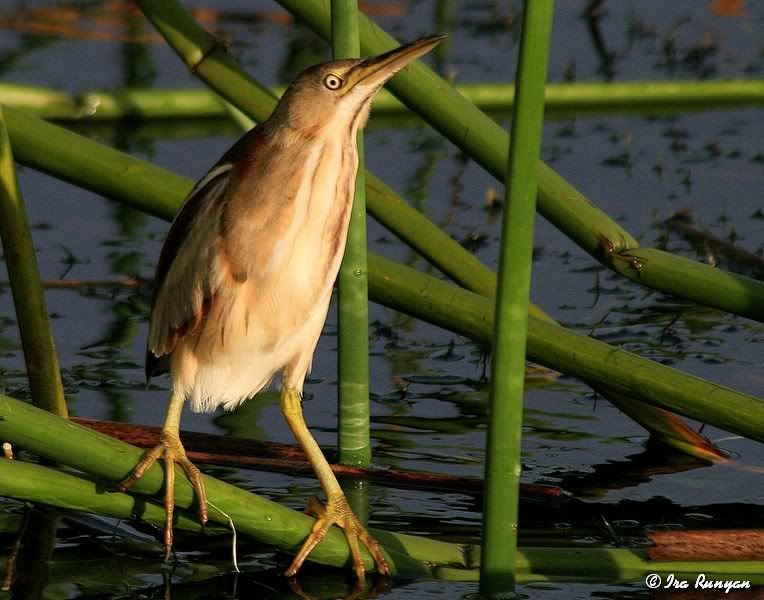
(171, 450)
(336, 511)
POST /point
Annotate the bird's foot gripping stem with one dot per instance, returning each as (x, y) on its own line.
(337, 511)
(171, 451)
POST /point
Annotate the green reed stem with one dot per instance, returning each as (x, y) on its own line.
(45, 485)
(593, 97)
(28, 296)
(207, 58)
(448, 561)
(121, 104)
(504, 440)
(561, 98)
(352, 283)
(597, 363)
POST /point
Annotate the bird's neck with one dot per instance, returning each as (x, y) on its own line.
(342, 126)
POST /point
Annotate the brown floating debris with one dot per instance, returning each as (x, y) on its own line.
(275, 456)
(716, 544)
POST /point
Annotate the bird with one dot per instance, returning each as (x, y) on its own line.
(245, 276)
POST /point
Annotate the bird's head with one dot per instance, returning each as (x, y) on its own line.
(339, 93)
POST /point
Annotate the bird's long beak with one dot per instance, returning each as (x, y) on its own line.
(374, 71)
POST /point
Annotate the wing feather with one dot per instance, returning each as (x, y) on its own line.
(188, 272)
(185, 271)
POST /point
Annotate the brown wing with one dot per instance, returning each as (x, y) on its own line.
(188, 272)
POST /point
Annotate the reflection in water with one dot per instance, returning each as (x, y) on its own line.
(593, 14)
(27, 568)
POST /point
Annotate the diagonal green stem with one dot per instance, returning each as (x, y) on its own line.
(453, 562)
(107, 458)
(28, 296)
(597, 363)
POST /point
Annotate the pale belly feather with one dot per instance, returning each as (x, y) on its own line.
(272, 324)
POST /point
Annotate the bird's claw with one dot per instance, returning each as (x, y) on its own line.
(171, 451)
(337, 511)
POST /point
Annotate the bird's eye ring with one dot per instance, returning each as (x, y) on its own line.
(333, 82)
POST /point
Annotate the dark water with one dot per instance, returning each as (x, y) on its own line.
(639, 169)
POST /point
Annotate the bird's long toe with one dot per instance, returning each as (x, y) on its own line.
(197, 482)
(171, 451)
(149, 457)
(337, 511)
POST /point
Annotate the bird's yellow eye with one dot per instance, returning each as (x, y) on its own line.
(333, 82)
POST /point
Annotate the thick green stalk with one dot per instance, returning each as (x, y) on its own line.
(651, 94)
(504, 441)
(627, 96)
(159, 192)
(475, 133)
(122, 104)
(35, 483)
(207, 59)
(686, 277)
(597, 363)
(609, 96)
(352, 284)
(117, 175)
(73, 445)
(28, 296)
(43, 485)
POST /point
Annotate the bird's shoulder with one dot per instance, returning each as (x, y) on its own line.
(211, 188)
(187, 256)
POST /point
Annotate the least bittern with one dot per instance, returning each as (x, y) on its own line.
(245, 276)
